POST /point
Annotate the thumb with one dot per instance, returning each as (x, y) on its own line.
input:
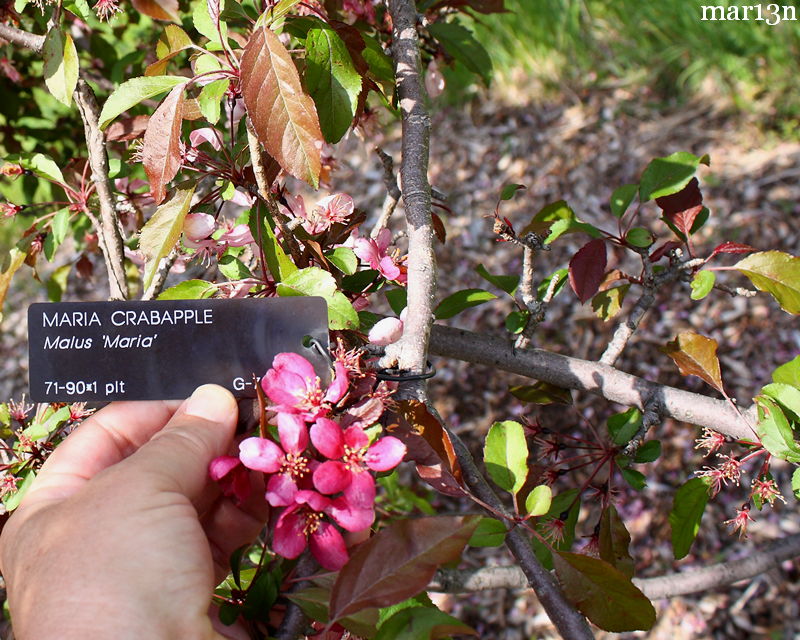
(177, 457)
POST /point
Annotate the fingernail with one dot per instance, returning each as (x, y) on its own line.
(211, 402)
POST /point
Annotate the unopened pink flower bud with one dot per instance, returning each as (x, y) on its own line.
(198, 226)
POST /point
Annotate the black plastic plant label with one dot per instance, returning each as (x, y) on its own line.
(159, 350)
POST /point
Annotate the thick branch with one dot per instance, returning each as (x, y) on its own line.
(108, 231)
(572, 373)
(666, 586)
(410, 352)
(22, 38)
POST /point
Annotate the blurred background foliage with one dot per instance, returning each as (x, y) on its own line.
(542, 48)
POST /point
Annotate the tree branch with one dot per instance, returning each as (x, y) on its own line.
(410, 353)
(22, 38)
(666, 586)
(572, 373)
(108, 230)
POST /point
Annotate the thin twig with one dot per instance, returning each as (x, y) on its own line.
(160, 276)
(584, 375)
(393, 194)
(666, 586)
(410, 353)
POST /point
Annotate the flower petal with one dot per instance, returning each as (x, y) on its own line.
(316, 501)
(221, 466)
(331, 477)
(385, 454)
(294, 363)
(355, 438)
(292, 432)
(328, 547)
(360, 493)
(288, 539)
(349, 517)
(198, 226)
(339, 385)
(261, 454)
(389, 269)
(327, 438)
(281, 490)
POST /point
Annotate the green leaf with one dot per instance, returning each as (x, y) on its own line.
(460, 300)
(796, 483)
(688, 506)
(80, 8)
(162, 230)
(57, 283)
(607, 304)
(59, 227)
(201, 19)
(343, 259)
(566, 504)
(261, 595)
(639, 237)
(668, 175)
(614, 541)
(11, 500)
(542, 393)
(516, 321)
(459, 42)
(506, 455)
(510, 190)
(172, 40)
(621, 199)
(380, 65)
(556, 219)
(508, 284)
(40, 164)
(60, 65)
(648, 452)
(188, 290)
(636, 479)
(788, 373)
(623, 426)
(39, 430)
(777, 273)
(603, 594)
(490, 532)
(775, 431)
(314, 281)
(561, 276)
(332, 80)
(11, 264)
(421, 623)
(279, 264)
(538, 501)
(785, 395)
(702, 283)
(232, 268)
(397, 299)
(133, 91)
(210, 99)
(314, 603)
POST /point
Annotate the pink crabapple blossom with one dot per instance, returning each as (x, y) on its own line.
(293, 384)
(740, 521)
(374, 253)
(232, 477)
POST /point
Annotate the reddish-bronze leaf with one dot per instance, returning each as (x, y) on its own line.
(398, 562)
(614, 542)
(438, 228)
(158, 9)
(124, 129)
(732, 247)
(602, 593)
(587, 268)
(683, 207)
(665, 248)
(284, 117)
(696, 355)
(161, 154)
(425, 424)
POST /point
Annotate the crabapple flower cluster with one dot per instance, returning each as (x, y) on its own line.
(319, 472)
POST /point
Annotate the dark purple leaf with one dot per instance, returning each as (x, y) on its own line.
(587, 268)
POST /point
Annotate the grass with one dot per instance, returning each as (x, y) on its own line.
(664, 44)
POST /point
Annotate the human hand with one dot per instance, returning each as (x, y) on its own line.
(122, 535)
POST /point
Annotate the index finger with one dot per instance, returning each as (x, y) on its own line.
(109, 436)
